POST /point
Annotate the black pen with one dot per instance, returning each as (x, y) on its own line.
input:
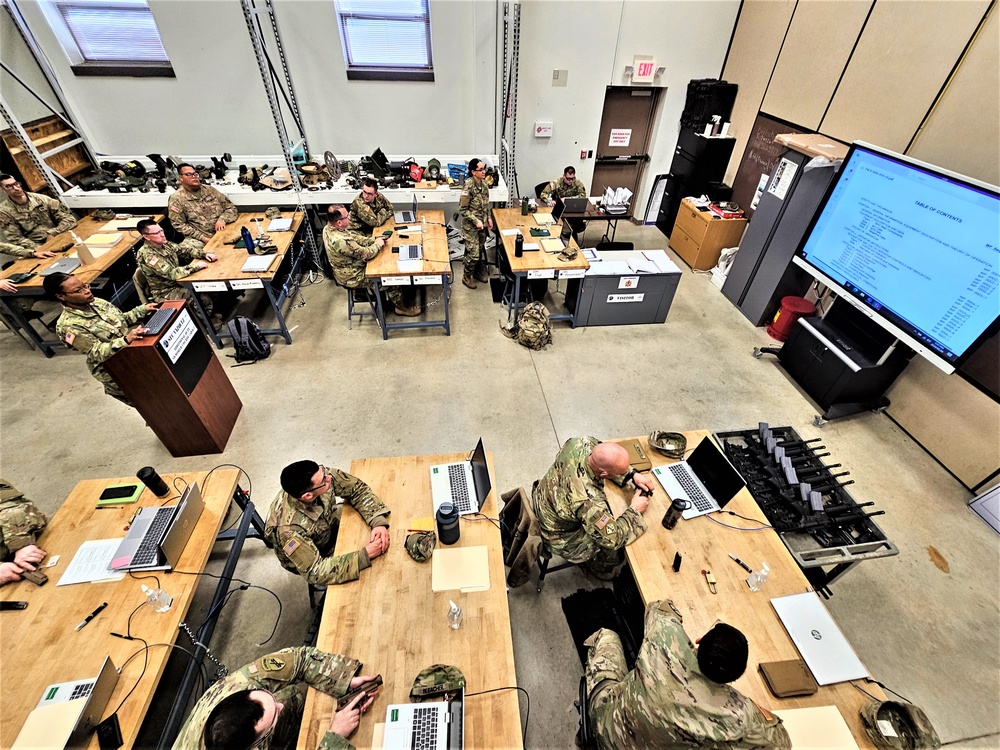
(739, 562)
(91, 616)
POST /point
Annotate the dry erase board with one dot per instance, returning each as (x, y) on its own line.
(760, 156)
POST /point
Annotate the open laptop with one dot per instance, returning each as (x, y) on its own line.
(158, 535)
(410, 252)
(821, 645)
(63, 265)
(465, 484)
(58, 728)
(558, 208)
(576, 205)
(406, 217)
(706, 480)
(426, 726)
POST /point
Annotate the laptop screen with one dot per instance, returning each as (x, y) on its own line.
(558, 208)
(715, 472)
(481, 473)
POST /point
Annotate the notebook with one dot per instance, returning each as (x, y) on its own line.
(426, 726)
(465, 484)
(158, 535)
(258, 263)
(821, 645)
(706, 480)
(405, 217)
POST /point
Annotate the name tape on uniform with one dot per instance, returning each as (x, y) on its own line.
(625, 298)
(210, 286)
(246, 284)
(573, 273)
(396, 281)
(427, 279)
(542, 273)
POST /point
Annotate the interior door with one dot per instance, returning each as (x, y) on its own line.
(623, 145)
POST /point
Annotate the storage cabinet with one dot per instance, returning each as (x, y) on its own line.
(698, 236)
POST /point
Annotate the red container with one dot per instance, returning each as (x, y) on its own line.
(792, 308)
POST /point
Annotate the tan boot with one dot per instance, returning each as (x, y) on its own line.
(469, 282)
(408, 312)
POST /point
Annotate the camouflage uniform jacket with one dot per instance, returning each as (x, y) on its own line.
(665, 701)
(564, 191)
(20, 521)
(30, 224)
(364, 217)
(162, 267)
(281, 673)
(98, 332)
(474, 204)
(349, 253)
(194, 213)
(304, 534)
(572, 510)
(16, 250)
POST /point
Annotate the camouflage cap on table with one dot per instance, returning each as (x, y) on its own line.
(420, 545)
(436, 682)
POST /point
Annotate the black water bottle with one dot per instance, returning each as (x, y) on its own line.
(519, 245)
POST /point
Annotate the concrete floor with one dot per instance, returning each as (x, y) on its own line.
(335, 395)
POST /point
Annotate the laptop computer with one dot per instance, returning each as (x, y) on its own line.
(158, 535)
(819, 641)
(465, 484)
(576, 205)
(706, 480)
(410, 252)
(258, 263)
(63, 265)
(426, 726)
(406, 217)
(71, 726)
(558, 208)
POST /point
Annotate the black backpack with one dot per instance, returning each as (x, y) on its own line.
(248, 341)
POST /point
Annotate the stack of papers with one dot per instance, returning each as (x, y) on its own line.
(463, 568)
(103, 239)
(817, 728)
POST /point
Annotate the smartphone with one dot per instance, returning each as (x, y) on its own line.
(387, 233)
(13, 605)
(119, 491)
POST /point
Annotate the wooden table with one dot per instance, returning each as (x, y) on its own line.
(39, 644)
(394, 624)
(705, 545)
(33, 286)
(536, 264)
(595, 213)
(227, 272)
(434, 268)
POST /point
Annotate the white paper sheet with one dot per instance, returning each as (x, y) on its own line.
(91, 562)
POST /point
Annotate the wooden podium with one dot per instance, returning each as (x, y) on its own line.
(179, 386)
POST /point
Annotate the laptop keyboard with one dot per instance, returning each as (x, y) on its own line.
(701, 502)
(81, 691)
(160, 319)
(459, 488)
(425, 728)
(149, 548)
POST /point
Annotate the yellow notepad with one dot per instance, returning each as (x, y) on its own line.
(422, 524)
(103, 239)
(463, 568)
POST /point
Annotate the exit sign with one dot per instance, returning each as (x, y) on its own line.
(643, 69)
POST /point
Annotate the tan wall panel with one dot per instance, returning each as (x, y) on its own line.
(959, 425)
(905, 54)
(755, 47)
(963, 132)
(815, 52)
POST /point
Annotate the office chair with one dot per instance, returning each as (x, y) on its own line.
(141, 286)
(354, 296)
(539, 188)
(544, 557)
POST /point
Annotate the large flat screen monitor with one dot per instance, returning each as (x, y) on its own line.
(914, 247)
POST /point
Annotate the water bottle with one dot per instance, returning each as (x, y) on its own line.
(524, 207)
(758, 578)
(454, 616)
(158, 599)
(673, 514)
(519, 246)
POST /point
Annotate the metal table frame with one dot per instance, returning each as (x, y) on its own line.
(386, 326)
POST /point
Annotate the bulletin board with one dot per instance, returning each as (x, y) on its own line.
(760, 156)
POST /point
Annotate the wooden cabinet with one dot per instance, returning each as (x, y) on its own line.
(698, 237)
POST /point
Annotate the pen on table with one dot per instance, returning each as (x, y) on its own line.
(91, 616)
(739, 562)
(34, 267)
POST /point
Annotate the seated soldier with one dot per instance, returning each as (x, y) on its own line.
(29, 219)
(20, 524)
(305, 517)
(370, 209)
(677, 696)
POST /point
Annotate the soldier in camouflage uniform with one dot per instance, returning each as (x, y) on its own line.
(28, 219)
(567, 187)
(349, 253)
(20, 524)
(474, 208)
(198, 211)
(573, 515)
(22, 252)
(163, 262)
(370, 209)
(305, 517)
(261, 704)
(677, 695)
(94, 326)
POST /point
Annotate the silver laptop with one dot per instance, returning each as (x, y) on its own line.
(157, 536)
(706, 480)
(411, 252)
(464, 484)
(258, 263)
(97, 690)
(63, 265)
(426, 726)
(406, 217)
(820, 643)
(576, 205)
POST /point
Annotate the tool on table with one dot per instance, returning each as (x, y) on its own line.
(742, 564)
(677, 562)
(710, 579)
(364, 688)
(91, 616)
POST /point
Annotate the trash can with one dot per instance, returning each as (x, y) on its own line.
(792, 308)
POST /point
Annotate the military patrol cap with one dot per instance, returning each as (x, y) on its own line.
(420, 545)
(568, 253)
(670, 444)
(434, 682)
(433, 169)
(910, 727)
(103, 214)
(273, 212)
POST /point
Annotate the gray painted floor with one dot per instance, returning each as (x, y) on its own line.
(338, 394)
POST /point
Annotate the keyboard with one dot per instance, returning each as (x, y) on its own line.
(159, 321)
(425, 729)
(701, 502)
(149, 547)
(459, 488)
(82, 690)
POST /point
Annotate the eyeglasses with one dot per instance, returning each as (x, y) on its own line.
(9, 185)
(81, 288)
(152, 231)
(188, 174)
(326, 479)
(369, 194)
(479, 169)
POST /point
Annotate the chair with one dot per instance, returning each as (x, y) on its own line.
(503, 266)
(539, 188)
(354, 296)
(544, 557)
(141, 286)
(584, 737)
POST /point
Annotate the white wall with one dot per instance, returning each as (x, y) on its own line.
(16, 55)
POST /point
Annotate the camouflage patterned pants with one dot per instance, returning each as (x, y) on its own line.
(182, 292)
(475, 252)
(606, 669)
(596, 561)
(111, 388)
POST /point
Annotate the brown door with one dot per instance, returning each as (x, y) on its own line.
(622, 149)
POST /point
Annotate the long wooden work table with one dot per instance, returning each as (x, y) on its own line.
(392, 622)
(40, 646)
(705, 545)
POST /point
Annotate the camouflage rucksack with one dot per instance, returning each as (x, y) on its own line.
(533, 328)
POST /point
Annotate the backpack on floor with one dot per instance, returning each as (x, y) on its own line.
(248, 341)
(533, 328)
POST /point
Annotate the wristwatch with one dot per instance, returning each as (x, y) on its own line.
(629, 476)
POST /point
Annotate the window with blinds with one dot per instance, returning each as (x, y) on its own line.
(386, 39)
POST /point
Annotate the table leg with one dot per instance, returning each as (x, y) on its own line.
(576, 308)
(515, 300)
(206, 323)
(276, 306)
(379, 308)
(16, 322)
(446, 291)
(243, 500)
